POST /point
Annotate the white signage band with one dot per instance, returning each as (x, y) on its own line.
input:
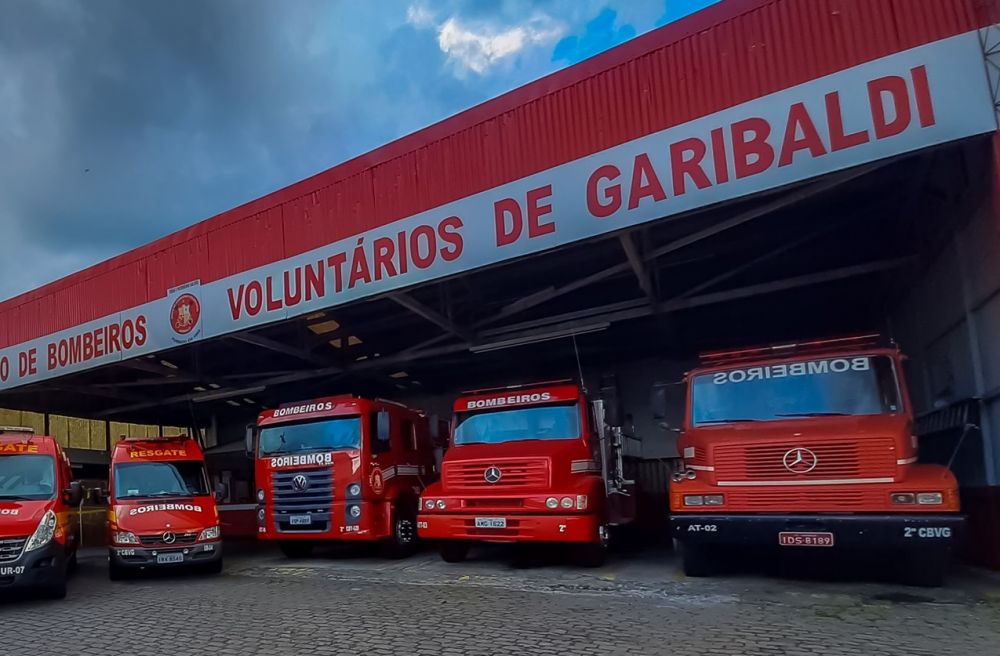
(910, 100)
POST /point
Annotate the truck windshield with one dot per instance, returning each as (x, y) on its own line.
(848, 385)
(323, 435)
(27, 478)
(175, 478)
(547, 422)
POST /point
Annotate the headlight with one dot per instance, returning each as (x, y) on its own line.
(930, 498)
(552, 503)
(354, 511)
(429, 504)
(691, 474)
(124, 537)
(210, 533)
(903, 497)
(354, 490)
(43, 534)
(567, 502)
(260, 496)
(261, 514)
(694, 500)
(440, 504)
(714, 499)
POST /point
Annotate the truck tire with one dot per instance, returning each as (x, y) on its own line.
(403, 541)
(926, 570)
(453, 551)
(296, 549)
(214, 568)
(591, 554)
(698, 563)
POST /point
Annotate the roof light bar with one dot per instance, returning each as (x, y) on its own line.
(812, 346)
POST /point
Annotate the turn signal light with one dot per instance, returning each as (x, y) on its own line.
(714, 499)
(903, 497)
(694, 500)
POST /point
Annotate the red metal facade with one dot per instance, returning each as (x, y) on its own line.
(730, 53)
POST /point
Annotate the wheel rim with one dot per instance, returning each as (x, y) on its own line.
(404, 531)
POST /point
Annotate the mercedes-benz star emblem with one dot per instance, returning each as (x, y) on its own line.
(800, 460)
(169, 538)
(301, 482)
(492, 474)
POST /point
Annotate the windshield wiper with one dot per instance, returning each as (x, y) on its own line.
(812, 414)
(157, 495)
(729, 420)
(17, 497)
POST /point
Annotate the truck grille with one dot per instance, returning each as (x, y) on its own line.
(157, 540)
(316, 500)
(10, 549)
(864, 459)
(807, 498)
(517, 473)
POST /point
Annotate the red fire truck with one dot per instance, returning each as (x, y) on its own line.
(162, 513)
(809, 446)
(341, 468)
(526, 464)
(38, 497)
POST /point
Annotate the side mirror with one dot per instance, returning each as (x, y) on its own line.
(659, 401)
(251, 431)
(99, 496)
(383, 426)
(73, 495)
(221, 491)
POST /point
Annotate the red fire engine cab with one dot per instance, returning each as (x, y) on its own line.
(341, 468)
(528, 464)
(809, 447)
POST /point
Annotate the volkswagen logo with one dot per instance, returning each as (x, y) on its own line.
(300, 483)
(800, 460)
(492, 475)
(169, 538)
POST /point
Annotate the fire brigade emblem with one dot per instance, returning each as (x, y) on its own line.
(377, 481)
(184, 314)
(492, 475)
(800, 460)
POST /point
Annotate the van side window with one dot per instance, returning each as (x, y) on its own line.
(409, 435)
(377, 445)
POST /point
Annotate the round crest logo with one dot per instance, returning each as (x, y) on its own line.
(377, 482)
(184, 314)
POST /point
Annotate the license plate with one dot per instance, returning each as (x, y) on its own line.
(300, 520)
(805, 539)
(169, 558)
(491, 522)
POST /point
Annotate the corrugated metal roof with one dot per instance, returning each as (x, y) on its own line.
(730, 53)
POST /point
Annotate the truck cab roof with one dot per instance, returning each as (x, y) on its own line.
(131, 449)
(20, 441)
(518, 396)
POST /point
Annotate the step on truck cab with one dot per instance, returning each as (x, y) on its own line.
(39, 525)
(525, 465)
(341, 469)
(809, 447)
(162, 512)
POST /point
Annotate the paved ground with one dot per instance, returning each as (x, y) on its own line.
(355, 604)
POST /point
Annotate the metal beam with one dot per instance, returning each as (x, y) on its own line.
(432, 315)
(280, 347)
(638, 265)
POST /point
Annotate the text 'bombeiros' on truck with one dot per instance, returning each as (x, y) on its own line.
(341, 469)
(162, 512)
(39, 525)
(529, 464)
(809, 447)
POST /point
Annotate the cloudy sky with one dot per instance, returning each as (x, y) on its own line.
(124, 120)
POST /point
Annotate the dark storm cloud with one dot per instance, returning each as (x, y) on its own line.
(122, 121)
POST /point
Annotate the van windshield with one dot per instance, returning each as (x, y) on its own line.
(27, 477)
(848, 385)
(322, 435)
(176, 478)
(546, 422)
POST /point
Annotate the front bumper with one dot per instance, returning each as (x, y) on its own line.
(140, 558)
(35, 569)
(520, 528)
(848, 531)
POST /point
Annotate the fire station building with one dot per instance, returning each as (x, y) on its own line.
(761, 171)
